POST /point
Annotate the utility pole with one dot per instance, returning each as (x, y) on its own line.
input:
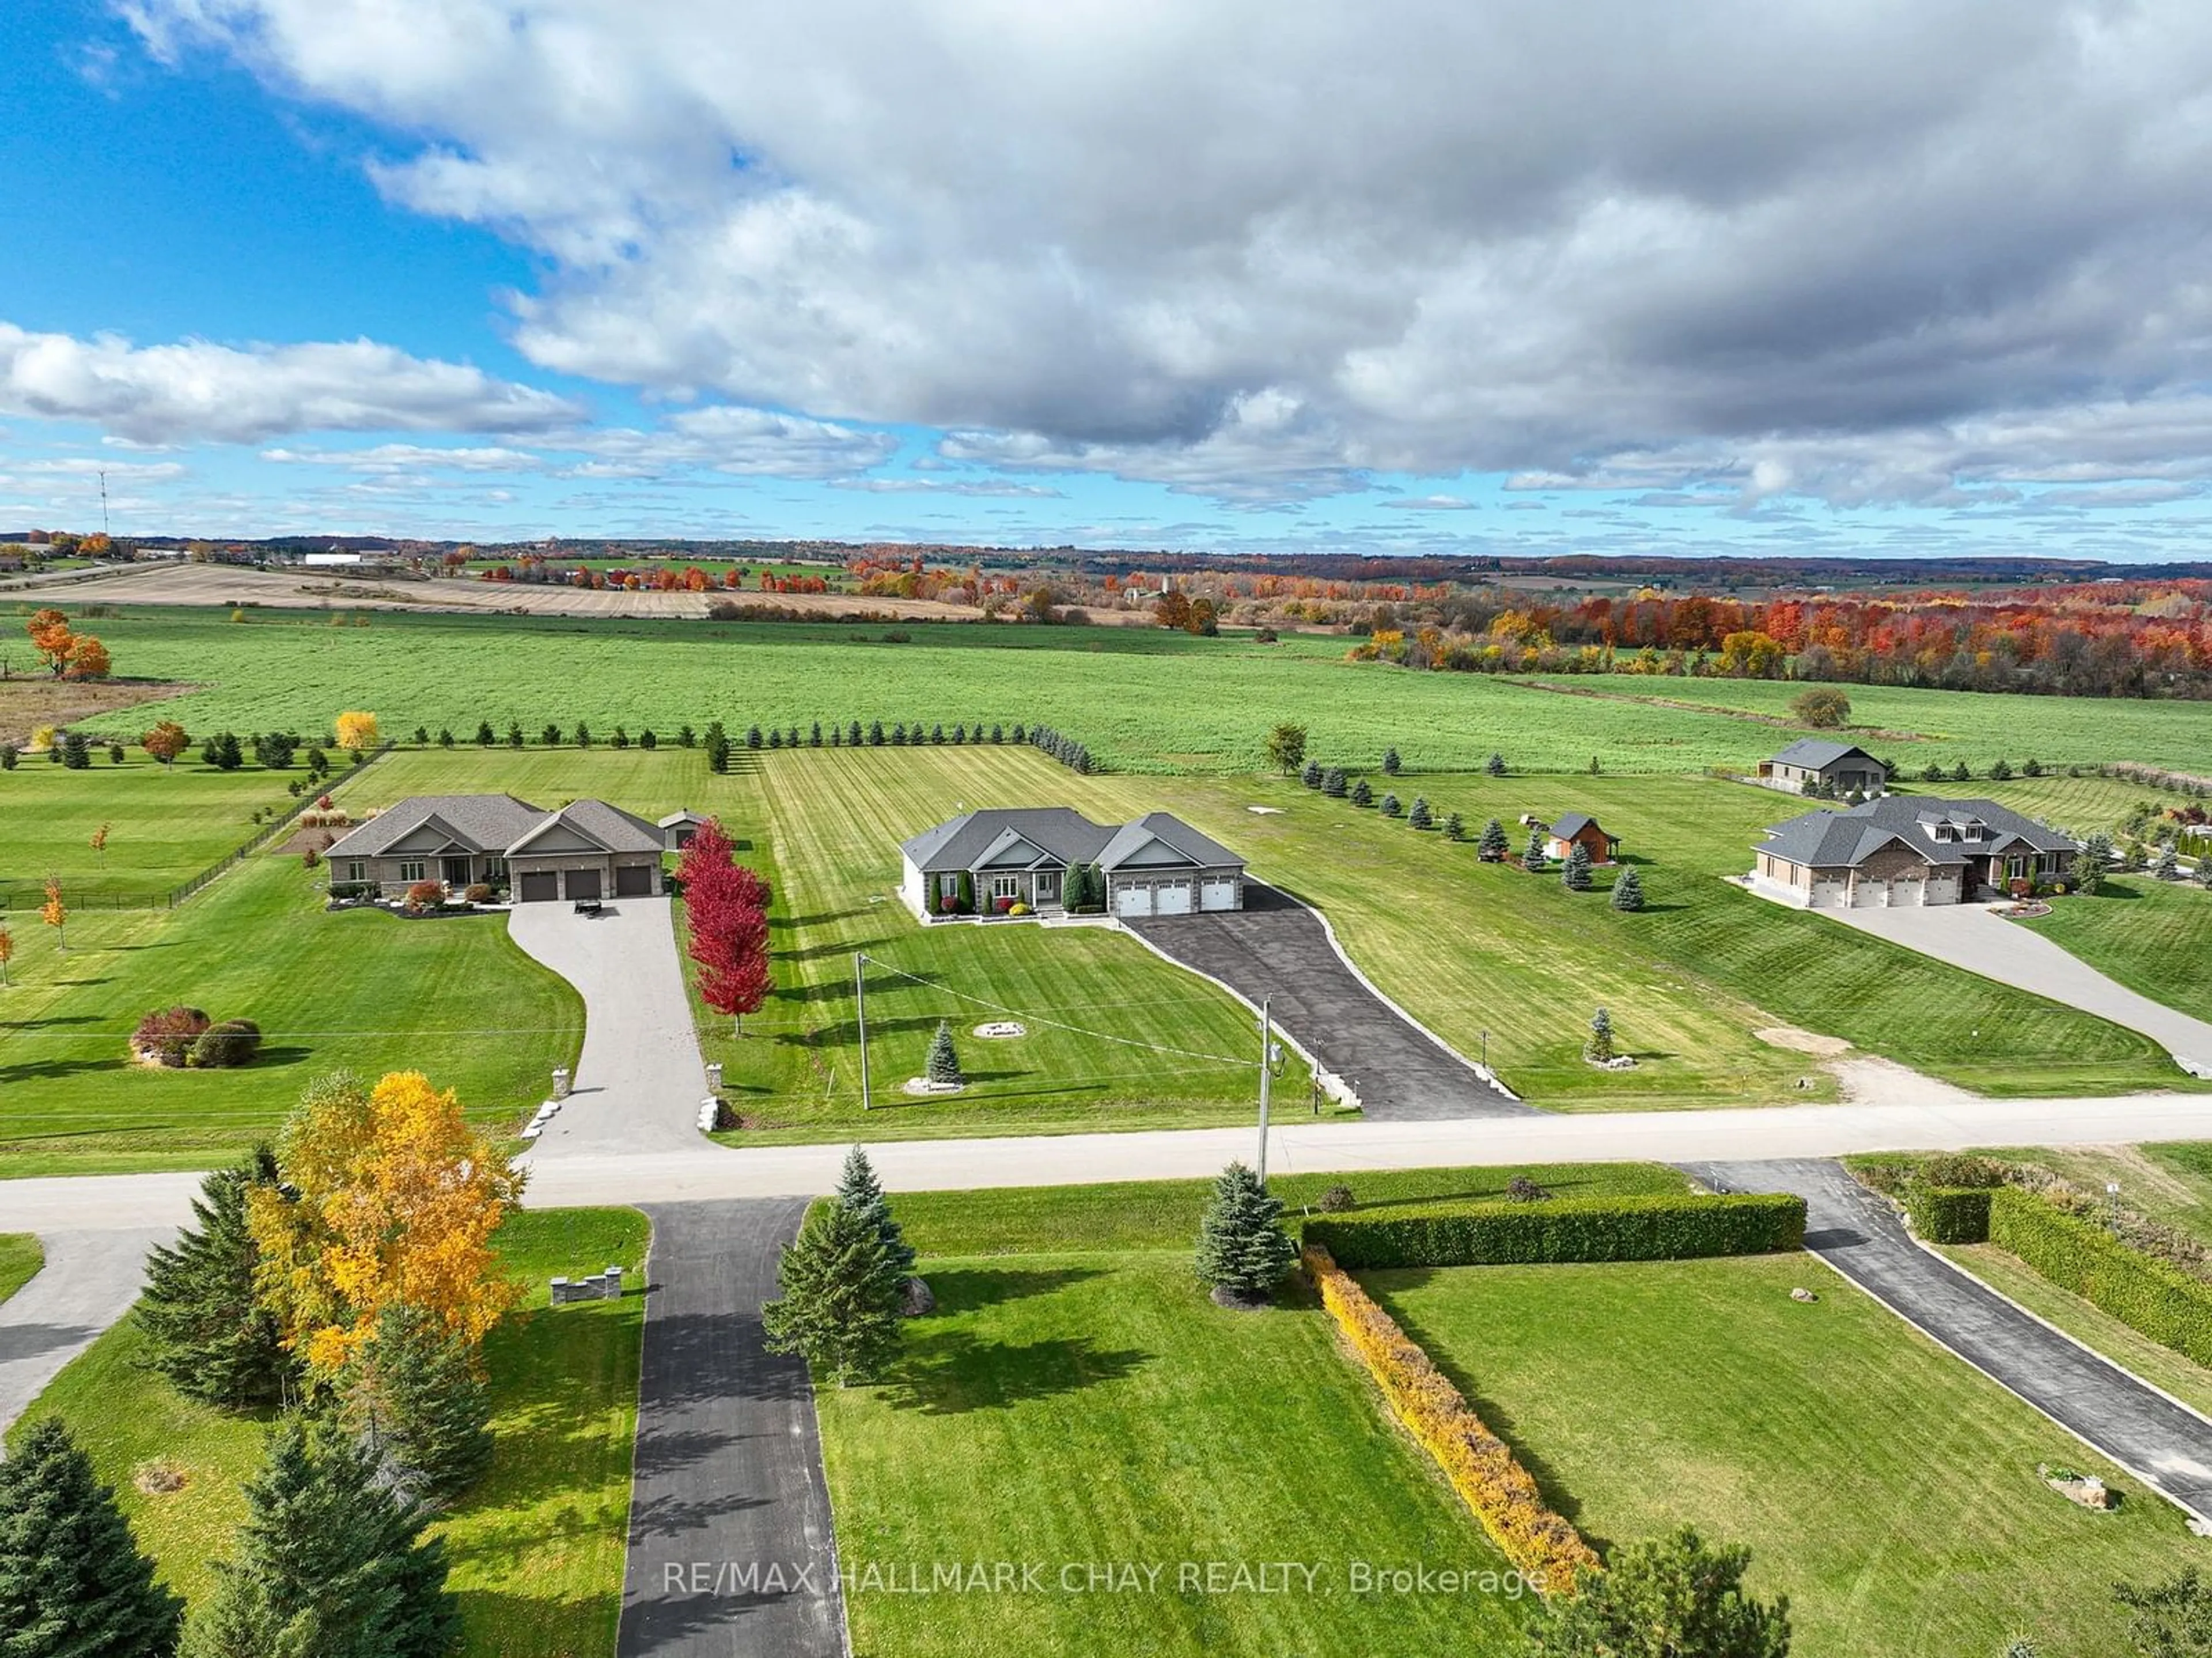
(860, 1005)
(1266, 1076)
(103, 500)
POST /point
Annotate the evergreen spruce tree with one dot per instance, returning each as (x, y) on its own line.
(1311, 775)
(211, 1335)
(859, 1190)
(1495, 765)
(1672, 1597)
(1598, 1049)
(1243, 1253)
(814, 735)
(415, 1394)
(1455, 827)
(1391, 808)
(842, 1294)
(1418, 816)
(1491, 846)
(73, 1583)
(2168, 867)
(485, 739)
(1361, 794)
(1533, 854)
(1628, 891)
(1332, 783)
(330, 1562)
(944, 1058)
(1391, 763)
(1574, 873)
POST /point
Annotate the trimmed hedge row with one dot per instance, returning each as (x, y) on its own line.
(1568, 1230)
(1480, 1465)
(1949, 1214)
(2144, 1293)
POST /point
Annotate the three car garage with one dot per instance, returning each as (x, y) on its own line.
(1176, 895)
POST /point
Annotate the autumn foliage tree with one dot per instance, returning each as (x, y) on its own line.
(55, 913)
(166, 742)
(390, 1198)
(65, 651)
(357, 731)
(725, 910)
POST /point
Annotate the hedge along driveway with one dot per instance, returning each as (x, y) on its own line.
(2162, 1441)
(1680, 1228)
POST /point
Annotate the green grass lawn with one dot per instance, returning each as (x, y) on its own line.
(362, 990)
(20, 1260)
(1142, 698)
(164, 826)
(1888, 1489)
(1117, 1038)
(536, 1548)
(2080, 805)
(2154, 937)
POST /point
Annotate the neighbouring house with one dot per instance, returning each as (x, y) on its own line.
(1819, 764)
(1905, 851)
(1564, 833)
(678, 827)
(990, 860)
(586, 849)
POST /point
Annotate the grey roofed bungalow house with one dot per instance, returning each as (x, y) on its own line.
(1811, 762)
(586, 849)
(1903, 851)
(1156, 865)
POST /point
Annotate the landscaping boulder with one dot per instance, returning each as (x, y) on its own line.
(917, 1301)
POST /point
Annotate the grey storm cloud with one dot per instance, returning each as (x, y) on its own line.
(1861, 251)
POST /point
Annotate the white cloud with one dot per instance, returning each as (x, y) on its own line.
(407, 457)
(198, 391)
(1432, 504)
(1862, 250)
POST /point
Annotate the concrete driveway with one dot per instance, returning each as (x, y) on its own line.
(1277, 947)
(731, 1549)
(2162, 1442)
(90, 1280)
(638, 1086)
(1981, 941)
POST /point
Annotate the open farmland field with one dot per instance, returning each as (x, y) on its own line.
(1142, 698)
(1117, 1038)
(165, 825)
(1888, 1489)
(363, 991)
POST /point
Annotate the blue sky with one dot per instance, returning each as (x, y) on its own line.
(1124, 276)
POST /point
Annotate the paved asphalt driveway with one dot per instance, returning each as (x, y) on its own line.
(90, 1280)
(2161, 1442)
(730, 1544)
(1277, 947)
(1983, 942)
(638, 1086)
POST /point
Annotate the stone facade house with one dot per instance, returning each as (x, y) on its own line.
(586, 849)
(1905, 852)
(1813, 764)
(982, 861)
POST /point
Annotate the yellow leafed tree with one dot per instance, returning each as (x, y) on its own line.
(357, 730)
(394, 1200)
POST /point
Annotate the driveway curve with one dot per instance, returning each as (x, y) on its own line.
(638, 1085)
(1981, 941)
(2161, 1441)
(1277, 947)
(90, 1280)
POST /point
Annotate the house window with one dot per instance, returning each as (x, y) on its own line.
(411, 870)
(494, 871)
(1006, 886)
(356, 871)
(948, 886)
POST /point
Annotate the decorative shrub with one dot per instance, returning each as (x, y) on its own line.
(167, 1037)
(478, 893)
(1018, 908)
(2147, 1294)
(1567, 1230)
(1480, 1465)
(425, 895)
(1522, 1189)
(227, 1046)
(1337, 1200)
(1949, 1214)
(1004, 906)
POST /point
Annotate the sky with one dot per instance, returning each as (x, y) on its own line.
(1876, 277)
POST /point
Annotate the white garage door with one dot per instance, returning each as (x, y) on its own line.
(1218, 895)
(1869, 894)
(1133, 901)
(1827, 894)
(1171, 898)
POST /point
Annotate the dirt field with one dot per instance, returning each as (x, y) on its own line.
(27, 704)
(218, 585)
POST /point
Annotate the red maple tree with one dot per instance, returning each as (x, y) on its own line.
(726, 909)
